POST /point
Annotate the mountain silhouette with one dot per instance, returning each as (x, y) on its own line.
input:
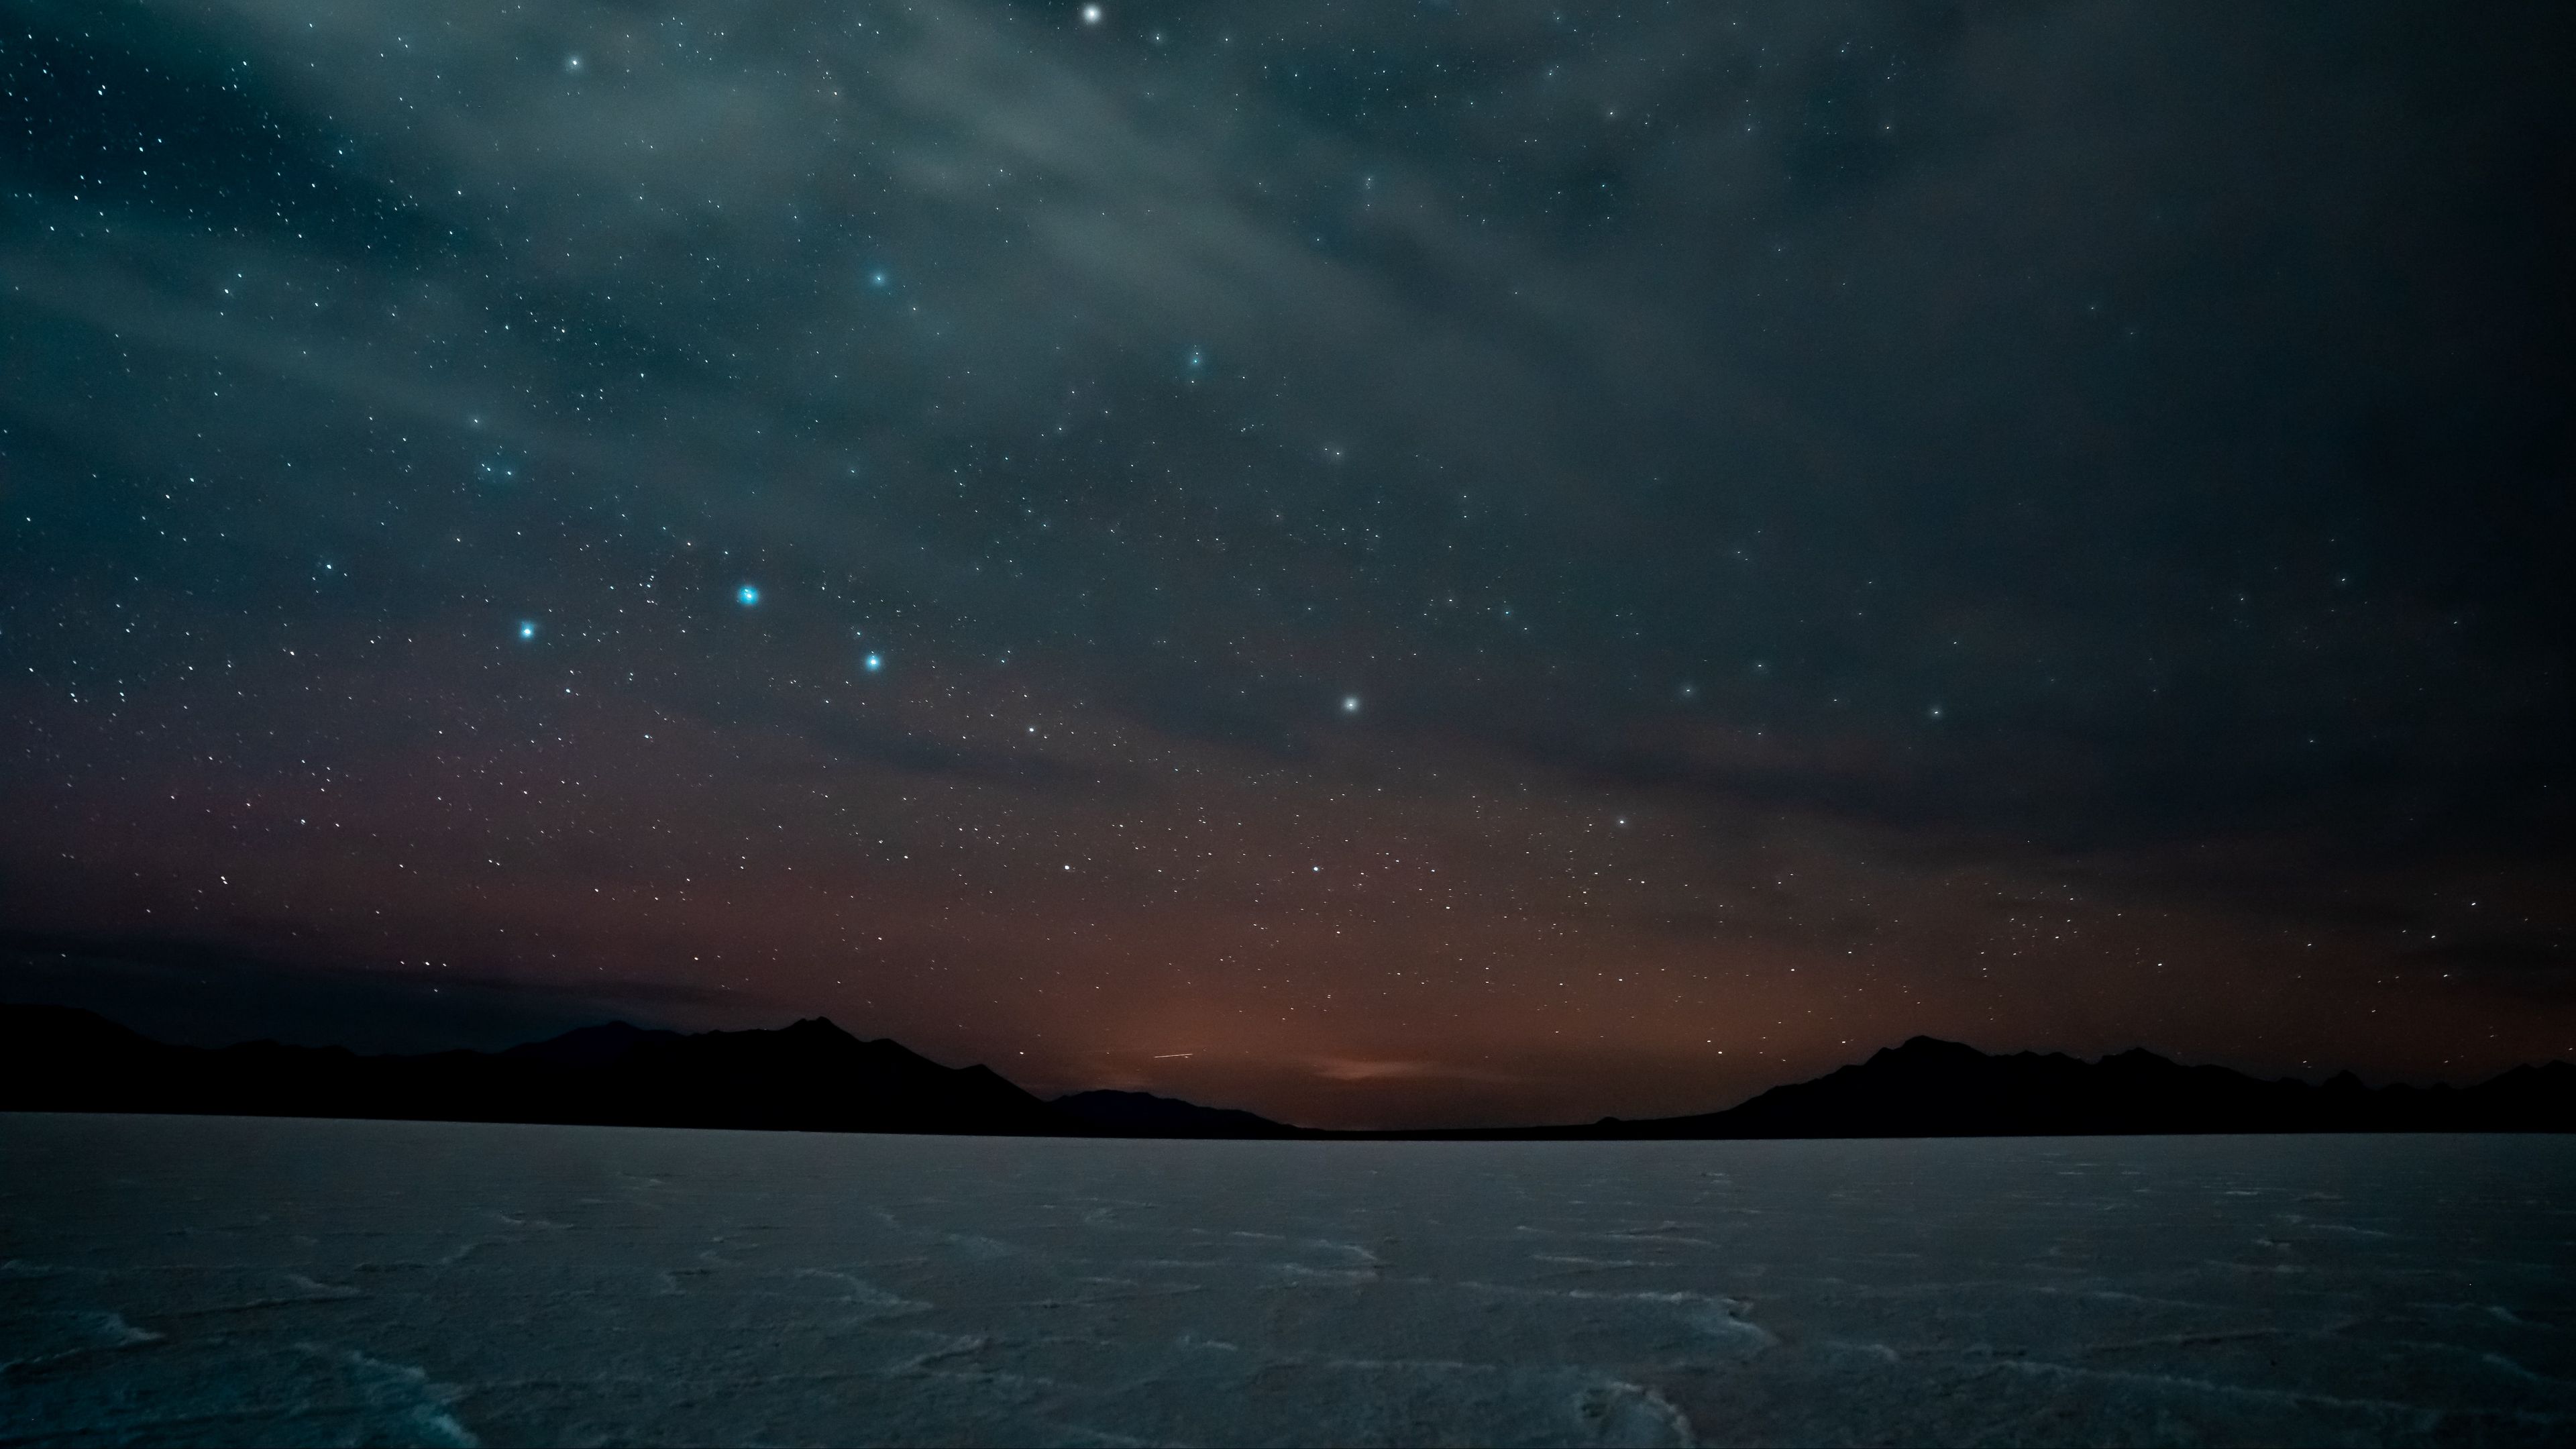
(1142, 1114)
(1933, 1088)
(812, 1076)
(590, 1046)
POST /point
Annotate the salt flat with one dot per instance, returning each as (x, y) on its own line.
(219, 1279)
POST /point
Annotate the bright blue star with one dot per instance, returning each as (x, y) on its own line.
(749, 595)
(877, 279)
(1351, 704)
(527, 630)
(874, 663)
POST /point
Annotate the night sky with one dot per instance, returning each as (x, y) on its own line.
(1386, 563)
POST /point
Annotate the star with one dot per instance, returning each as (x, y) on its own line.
(527, 630)
(1350, 704)
(873, 663)
(1091, 15)
(749, 594)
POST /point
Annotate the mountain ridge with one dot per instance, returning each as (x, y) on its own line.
(1927, 1087)
(812, 1075)
(808, 1076)
(1145, 1114)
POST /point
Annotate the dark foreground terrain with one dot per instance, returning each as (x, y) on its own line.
(216, 1279)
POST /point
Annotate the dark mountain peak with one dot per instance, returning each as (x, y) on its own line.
(1106, 1095)
(271, 1047)
(590, 1046)
(809, 1076)
(1933, 1088)
(1925, 1050)
(1143, 1114)
(57, 1027)
(2138, 1057)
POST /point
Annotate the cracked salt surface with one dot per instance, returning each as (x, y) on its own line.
(231, 1280)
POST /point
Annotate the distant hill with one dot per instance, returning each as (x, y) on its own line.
(1933, 1088)
(811, 1077)
(590, 1046)
(814, 1077)
(1142, 1114)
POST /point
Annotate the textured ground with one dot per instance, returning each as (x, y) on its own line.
(172, 1279)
